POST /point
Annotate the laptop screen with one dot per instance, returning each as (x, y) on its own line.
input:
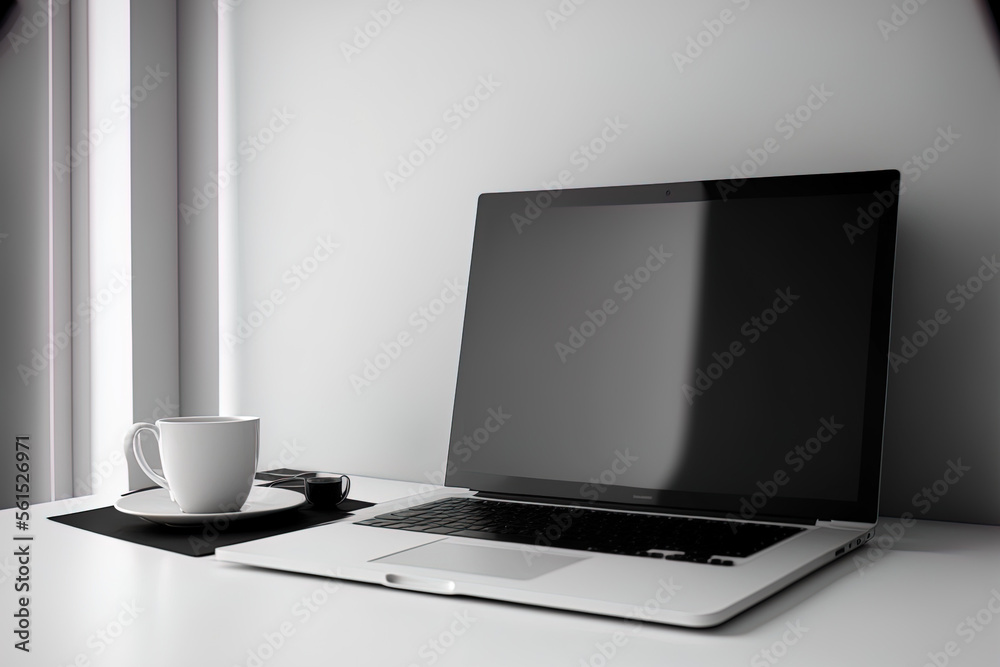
(715, 346)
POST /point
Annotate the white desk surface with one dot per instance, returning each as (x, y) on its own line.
(95, 600)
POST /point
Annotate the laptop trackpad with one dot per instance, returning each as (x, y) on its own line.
(489, 561)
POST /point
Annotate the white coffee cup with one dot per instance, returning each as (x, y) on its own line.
(208, 462)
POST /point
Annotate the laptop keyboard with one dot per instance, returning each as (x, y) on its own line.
(648, 535)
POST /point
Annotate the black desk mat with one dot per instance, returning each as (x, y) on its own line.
(202, 540)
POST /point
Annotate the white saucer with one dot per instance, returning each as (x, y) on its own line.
(155, 505)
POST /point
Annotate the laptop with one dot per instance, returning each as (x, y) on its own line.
(669, 403)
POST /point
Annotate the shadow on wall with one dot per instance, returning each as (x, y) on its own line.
(930, 366)
(991, 16)
(10, 13)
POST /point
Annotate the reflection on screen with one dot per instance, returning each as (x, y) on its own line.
(698, 346)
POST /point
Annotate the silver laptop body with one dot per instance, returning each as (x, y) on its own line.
(711, 351)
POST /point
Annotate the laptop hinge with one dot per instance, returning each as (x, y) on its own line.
(844, 525)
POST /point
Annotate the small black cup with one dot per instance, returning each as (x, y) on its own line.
(327, 489)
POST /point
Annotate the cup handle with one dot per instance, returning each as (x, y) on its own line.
(133, 435)
(347, 488)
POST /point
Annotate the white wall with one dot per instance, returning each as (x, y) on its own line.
(198, 229)
(338, 126)
(152, 86)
